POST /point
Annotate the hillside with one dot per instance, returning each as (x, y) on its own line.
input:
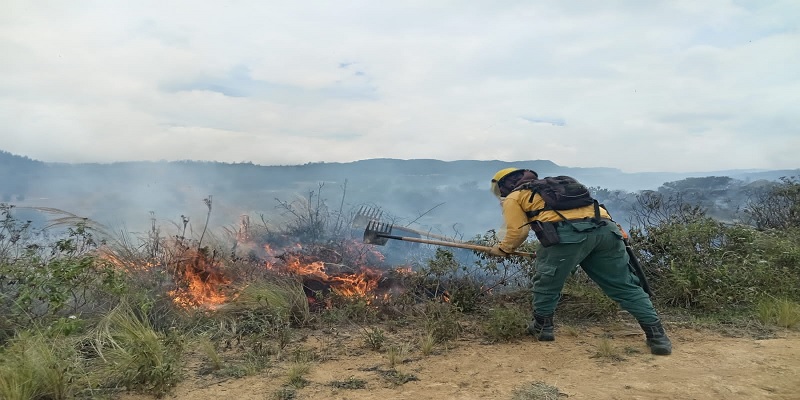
(449, 197)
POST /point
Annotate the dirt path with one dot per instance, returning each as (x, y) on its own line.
(704, 366)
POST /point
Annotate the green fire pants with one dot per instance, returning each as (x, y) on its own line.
(600, 251)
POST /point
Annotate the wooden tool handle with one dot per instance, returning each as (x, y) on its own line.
(453, 244)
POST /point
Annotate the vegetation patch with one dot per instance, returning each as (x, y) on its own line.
(87, 314)
(134, 355)
(784, 313)
(606, 350)
(504, 324)
(349, 383)
(537, 391)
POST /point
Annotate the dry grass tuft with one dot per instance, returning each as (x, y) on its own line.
(426, 344)
(606, 350)
(136, 356)
(537, 391)
(781, 312)
(296, 375)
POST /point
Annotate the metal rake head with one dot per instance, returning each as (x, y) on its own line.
(365, 214)
(374, 231)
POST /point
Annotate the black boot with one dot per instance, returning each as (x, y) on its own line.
(657, 339)
(542, 328)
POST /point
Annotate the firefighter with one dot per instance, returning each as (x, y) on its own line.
(584, 235)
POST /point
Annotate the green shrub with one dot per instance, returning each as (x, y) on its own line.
(134, 355)
(710, 266)
(41, 282)
(374, 338)
(504, 324)
(781, 312)
(582, 300)
(441, 321)
(280, 300)
(36, 366)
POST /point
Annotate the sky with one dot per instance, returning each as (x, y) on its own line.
(672, 86)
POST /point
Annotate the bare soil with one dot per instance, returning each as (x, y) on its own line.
(704, 365)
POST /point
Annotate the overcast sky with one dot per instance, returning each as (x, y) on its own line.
(696, 85)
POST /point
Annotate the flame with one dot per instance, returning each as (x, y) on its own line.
(203, 289)
(360, 283)
(201, 282)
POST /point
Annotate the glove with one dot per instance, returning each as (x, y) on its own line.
(497, 251)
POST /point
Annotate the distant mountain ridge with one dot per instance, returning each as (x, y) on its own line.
(611, 178)
(458, 190)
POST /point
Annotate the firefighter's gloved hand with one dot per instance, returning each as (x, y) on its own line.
(497, 251)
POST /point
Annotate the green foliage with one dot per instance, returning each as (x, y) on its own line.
(42, 281)
(285, 393)
(396, 354)
(280, 301)
(295, 376)
(781, 312)
(35, 366)
(583, 300)
(465, 286)
(778, 207)
(350, 308)
(374, 338)
(709, 266)
(134, 355)
(505, 324)
(441, 321)
(512, 272)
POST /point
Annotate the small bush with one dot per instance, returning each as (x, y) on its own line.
(583, 300)
(606, 350)
(781, 312)
(710, 266)
(536, 391)
(504, 324)
(349, 383)
(396, 355)
(441, 321)
(34, 366)
(279, 301)
(374, 338)
(286, 393)
(134, 355)
(209, 350)
(351, 308)
(296, 375)
(44, 279)
(426, 344)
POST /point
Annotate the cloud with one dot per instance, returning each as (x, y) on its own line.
(674, 86)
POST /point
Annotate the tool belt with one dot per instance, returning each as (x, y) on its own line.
(547, 232)
(598, 221)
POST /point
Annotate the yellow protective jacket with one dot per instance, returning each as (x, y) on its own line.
(517, 229)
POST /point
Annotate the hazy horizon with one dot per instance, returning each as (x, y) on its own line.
(671, 86)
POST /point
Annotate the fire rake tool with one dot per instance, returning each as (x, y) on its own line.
(634, 265)
(379, 233)
(367, 214)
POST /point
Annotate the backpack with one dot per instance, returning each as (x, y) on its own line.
(558, 193)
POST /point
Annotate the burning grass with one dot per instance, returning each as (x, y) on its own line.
(271, 301)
